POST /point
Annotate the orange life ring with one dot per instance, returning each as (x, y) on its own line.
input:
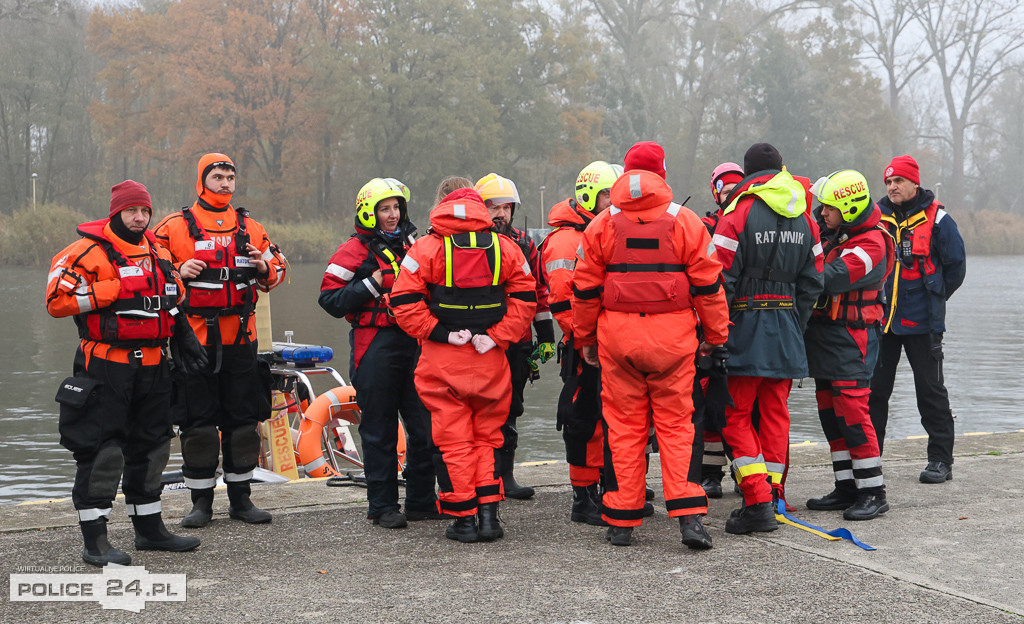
(339, 402)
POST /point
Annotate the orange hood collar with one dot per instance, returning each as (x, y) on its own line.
(641, 194)
(206, 164)
(460, 211)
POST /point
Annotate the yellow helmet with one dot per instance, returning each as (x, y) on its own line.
(846, 191)
(372, 193)
(497, 190)
(594, 178)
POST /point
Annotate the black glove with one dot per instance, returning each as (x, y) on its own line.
(188, 354)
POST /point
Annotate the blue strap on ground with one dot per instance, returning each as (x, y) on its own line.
(841, 533)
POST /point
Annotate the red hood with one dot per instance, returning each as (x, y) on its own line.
(460, 211)
(642, 195)
(565, 212)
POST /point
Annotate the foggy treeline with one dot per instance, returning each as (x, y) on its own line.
(311, 98)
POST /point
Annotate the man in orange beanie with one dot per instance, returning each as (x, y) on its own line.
(225, 257)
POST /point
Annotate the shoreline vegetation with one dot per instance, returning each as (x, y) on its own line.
(32, 237)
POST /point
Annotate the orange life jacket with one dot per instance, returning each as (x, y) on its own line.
(644, 272)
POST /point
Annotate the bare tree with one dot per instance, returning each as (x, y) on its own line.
(972, 44)
(889, 41)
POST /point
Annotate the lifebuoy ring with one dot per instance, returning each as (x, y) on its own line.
(339, 402)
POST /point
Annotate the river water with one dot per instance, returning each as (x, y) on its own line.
(984, 347)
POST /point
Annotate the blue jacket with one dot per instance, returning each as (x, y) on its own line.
(922, 280)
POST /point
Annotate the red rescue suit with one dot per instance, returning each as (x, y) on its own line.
(579, 407)
(842, 341)
(646, 269)
(463, 276)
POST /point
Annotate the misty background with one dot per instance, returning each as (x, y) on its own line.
(312, 98)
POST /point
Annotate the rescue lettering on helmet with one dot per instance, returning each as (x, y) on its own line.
(847, 191)
(589, 176)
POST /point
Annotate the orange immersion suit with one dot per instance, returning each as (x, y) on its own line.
(463, 276)
(646, 270)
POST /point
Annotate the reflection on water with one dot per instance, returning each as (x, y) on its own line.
(984, 342)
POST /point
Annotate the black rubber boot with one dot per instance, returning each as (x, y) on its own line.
(586, 505)
(648, 510)
(619, 536)
(712, 486)
(759, 517)
(490, 523)
(241, 508)
(869, 505)
(513, 489)
(695, 536)
(202, 509)
(648, 493)
(98, 551)
(463, 530)
(843, 496)
(151, 534)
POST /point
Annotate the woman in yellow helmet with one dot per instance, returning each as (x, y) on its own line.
(360, 273)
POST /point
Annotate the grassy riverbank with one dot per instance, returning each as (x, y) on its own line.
(33, 237)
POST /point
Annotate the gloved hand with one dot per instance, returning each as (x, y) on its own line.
(483, 343)
(188, 353)
(460, 337)
(534, 370)
(544, 351)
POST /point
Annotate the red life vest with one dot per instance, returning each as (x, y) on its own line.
(227, 285)
(644, 273)
(914, 238)
(143, 314)
(865, 306)
(471, 297)
(375, 313)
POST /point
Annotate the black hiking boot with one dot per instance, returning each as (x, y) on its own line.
(759, 517)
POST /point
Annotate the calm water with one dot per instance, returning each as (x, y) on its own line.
(984, 346)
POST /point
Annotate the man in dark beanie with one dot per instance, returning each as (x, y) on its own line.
(772, 263)
(931, 265)
(761, 157)
(115, 412)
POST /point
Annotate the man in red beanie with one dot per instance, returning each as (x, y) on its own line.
(931, 265)
(115, 412)
(646, 269)
(225, 258)
(646, 155)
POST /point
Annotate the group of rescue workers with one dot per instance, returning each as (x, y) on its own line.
(679, 333)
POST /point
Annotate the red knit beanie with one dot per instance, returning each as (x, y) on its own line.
(126, 194)
(905, 167)
(646, 155)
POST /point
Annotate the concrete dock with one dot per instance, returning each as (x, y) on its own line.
(945, 553)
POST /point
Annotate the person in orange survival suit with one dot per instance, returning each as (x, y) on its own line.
(579, 403)
(465, 293)
(646, 269)
(383, 359)
(115, 413)
(224, 256)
